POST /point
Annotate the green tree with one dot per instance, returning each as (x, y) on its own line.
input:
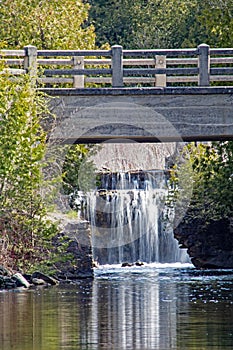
(54, 24)
(24, 229)
(162, 23)
(79, 172)
(212, 23)
(25, 232)
(211, 179)
(143, 24)
(217, 19)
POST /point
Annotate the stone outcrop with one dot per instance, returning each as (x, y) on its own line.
(78, 258)
(210, 245)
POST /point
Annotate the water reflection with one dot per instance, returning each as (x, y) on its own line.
(140, 308)
(126, 311)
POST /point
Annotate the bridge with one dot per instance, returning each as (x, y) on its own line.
(138, 95)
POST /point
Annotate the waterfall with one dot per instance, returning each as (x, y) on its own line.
(126, 213)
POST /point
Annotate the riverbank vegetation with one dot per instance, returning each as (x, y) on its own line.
(25, 232)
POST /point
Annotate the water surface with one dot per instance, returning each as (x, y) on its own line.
(150, 307)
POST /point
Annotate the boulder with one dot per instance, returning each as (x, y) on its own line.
(38, 282)
(20, 280)
(126, 264)
(39, 276)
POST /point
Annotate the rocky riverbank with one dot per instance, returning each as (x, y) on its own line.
(10, 280)
(73, 262)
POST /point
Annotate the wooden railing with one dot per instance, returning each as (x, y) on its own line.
(122, 68)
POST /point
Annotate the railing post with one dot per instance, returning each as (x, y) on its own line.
(117, 66)
(160, 79)
(204, 65)
(78, 80)
(30, 61)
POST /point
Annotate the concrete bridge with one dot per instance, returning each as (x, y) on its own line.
(139, 95)
(143, 115)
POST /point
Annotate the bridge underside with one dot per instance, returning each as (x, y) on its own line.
(142, 115)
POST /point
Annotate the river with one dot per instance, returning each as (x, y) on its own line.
(155, 306)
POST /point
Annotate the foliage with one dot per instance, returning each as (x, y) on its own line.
(54, 24)
(211, 178)
(78, 169)
(212, 24)
(25, 233)
(217, 19)
(162, 23)
(24, 230)
(143, 24)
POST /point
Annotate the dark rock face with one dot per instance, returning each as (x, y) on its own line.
(80, 261)
(210, 245)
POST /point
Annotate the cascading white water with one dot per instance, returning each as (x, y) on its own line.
(127, 219)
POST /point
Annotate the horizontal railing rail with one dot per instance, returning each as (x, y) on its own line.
(201, 66)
